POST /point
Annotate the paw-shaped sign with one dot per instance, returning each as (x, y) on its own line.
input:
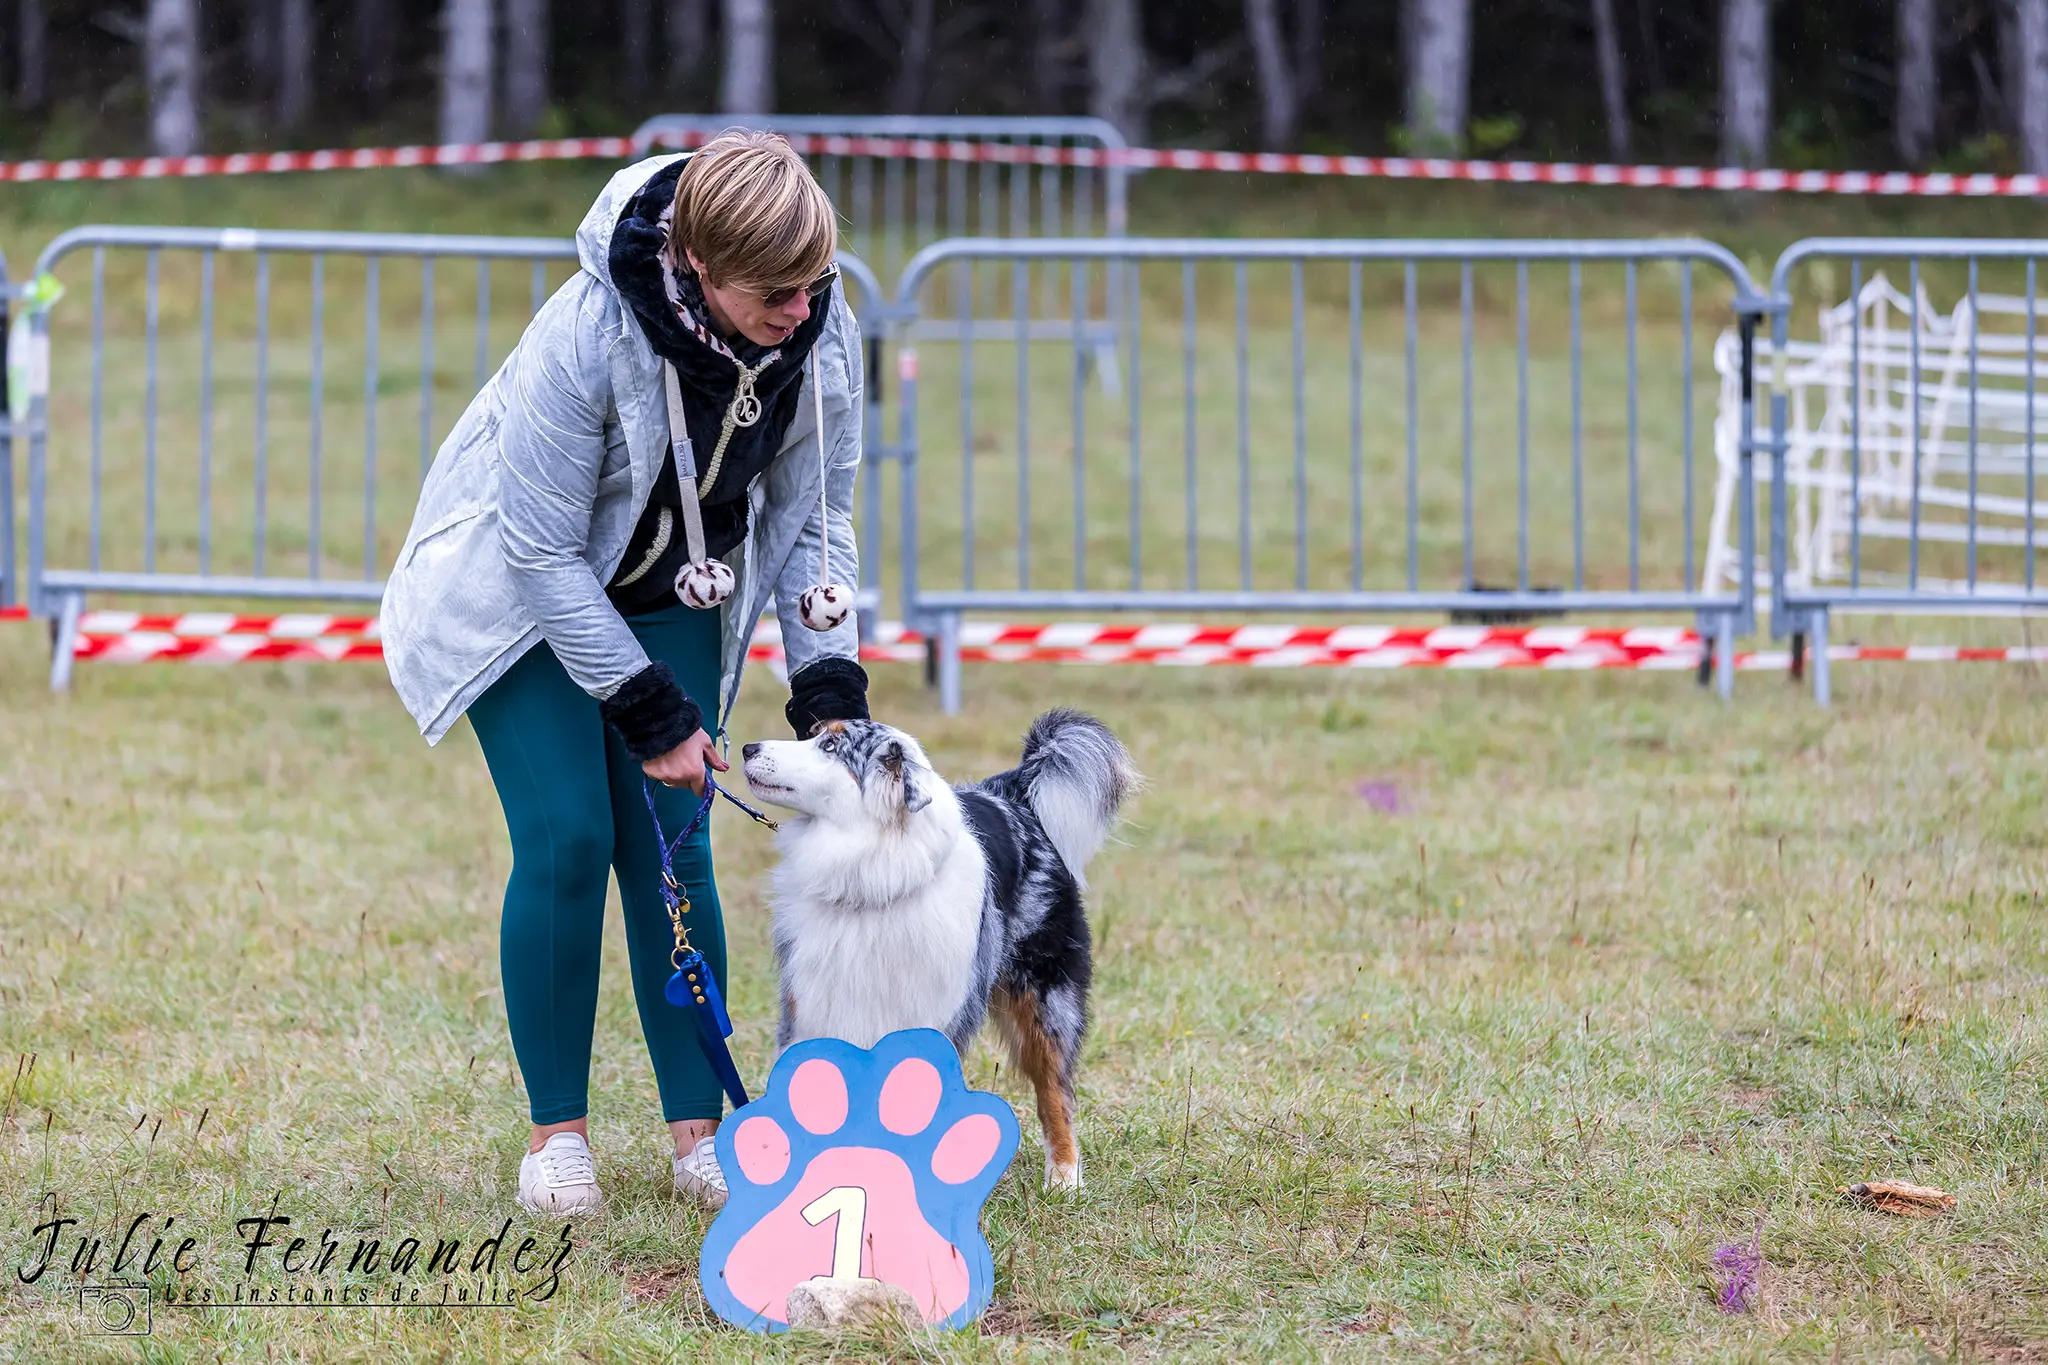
(869, 1163)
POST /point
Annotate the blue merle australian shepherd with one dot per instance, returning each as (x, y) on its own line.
(901, 902)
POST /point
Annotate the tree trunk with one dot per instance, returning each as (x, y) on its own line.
(526, 65)
(1652, 53)
(1917, 91)
(171, 59)
(31, 64)
(295, 62)
(1745, 82)
(1438, 37)
(1613, 79)
(689, 33)
(2031, 101)
(747, 84)
(1308, 52)
(466, 70)
(1116, 66)
(636, 47)
(2012, 78)
(1048, 69)
(913, 62)
(260, 47)
(1279, 98)
(372, 26)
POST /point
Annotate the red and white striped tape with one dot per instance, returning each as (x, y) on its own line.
(202, 625)
(220, 638)
(224, 638)
(1288, 646)
(345, 159)
(1133, 158)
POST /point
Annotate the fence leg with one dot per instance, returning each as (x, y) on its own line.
(1724, 655)
(949, 663)
(8, 585)
(9, 580)
(1818, 625)
(64, 639)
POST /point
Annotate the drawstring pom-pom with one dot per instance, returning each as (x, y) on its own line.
(704, 584)
(825, 606)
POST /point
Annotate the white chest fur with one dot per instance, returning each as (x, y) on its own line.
(859, 968)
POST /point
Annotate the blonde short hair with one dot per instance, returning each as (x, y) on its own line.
(747, 207)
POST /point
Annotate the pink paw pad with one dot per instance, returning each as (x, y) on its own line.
(966, 1149)
(817, 1096)
(762, 1148)
(910, 1096)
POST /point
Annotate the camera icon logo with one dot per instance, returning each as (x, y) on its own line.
(116, 1308)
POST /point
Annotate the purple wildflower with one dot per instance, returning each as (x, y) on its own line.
(1742, 1264)
(1382, 796)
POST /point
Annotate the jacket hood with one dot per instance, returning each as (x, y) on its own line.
(594, 235)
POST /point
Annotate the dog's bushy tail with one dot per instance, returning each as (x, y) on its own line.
(1078, 775)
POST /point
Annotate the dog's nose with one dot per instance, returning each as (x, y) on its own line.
(750, 750)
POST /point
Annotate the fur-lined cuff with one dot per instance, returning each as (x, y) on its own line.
(826, 689)
(651, 713)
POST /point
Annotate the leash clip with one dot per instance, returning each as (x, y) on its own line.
(759, 817)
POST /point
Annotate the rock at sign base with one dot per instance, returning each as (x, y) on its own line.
(851, 1301)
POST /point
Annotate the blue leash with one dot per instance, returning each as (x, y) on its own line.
(693, 986)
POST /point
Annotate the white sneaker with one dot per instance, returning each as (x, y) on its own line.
(559, 1178)
(697, 1174)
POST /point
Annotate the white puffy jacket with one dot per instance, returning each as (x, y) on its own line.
(526, 512)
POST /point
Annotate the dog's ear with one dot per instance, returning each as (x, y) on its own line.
(915, 797)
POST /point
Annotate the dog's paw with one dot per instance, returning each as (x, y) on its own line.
(859, 1163)
(1062, 1177)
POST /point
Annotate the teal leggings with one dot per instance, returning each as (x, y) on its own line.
(573, 804)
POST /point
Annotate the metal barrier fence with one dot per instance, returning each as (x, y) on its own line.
(1902, 439)
(245, 387)
(1382, 480)
(8, 572)
(920, 202)
(1494, 429)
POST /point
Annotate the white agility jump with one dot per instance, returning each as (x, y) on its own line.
(1895, 398)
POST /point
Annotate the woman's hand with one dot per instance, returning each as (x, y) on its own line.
(683, 766)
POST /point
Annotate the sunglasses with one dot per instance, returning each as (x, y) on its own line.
(814, 289)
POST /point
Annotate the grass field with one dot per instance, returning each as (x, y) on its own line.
(1627, 975)
(1630, 975)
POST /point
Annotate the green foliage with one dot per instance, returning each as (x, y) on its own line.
(1495, 134)
(1534, 93)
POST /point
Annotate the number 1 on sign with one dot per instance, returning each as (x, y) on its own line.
(850, 1203)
